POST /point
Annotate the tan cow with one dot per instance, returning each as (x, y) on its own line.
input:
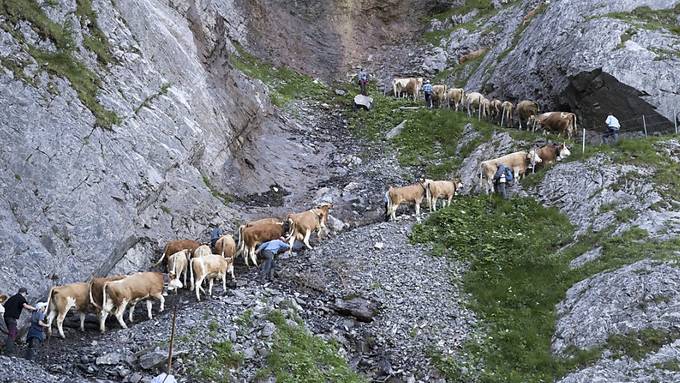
(526, 109)
(202, 251)
(485, 106)
(226, 246)
(472, 55)
(129, 291)
(439, 95)
(211, 267)
(96, 289)
(178, 264)
(455, 95)
(441, 189)
(407, 194)
(557, 122)
(303, 224)
(178, 245)
(518, 162)
(398, 85)
(506, 116)
(239, 246)
(474, 100)
(61, 299)
(249, 237)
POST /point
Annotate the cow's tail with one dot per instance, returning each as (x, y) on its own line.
(428, 195)
(89, 290)
(388, 205)
(165, 250)
(241, 244)
(191, 272)
(49, 298)
(106, 285)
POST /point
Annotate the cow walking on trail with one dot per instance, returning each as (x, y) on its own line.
(408, 194)
(526, 109)
(518, 162)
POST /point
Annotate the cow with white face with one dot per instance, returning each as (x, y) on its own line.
(519, 162)
(177, 266)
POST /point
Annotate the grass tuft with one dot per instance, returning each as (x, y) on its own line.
(647, 18)
(298, 356)
(213, 369)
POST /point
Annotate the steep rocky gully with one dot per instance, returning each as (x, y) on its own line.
(130, 123)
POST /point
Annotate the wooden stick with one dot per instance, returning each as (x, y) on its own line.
(172, 338)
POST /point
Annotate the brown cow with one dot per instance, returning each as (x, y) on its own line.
(472, 55)
(526, 109)
(439, 95)
(557, 122)
(506, 116)
(410, 194)
(130, 290)
(225, 246)
(249, 237)
(210, 267)
(201, 251)
(61, 299)
(175, 246)
(518, 162)
(552, 152)
(441, 189)
(455, 95)
(239, 245)
(96, 290)
(303, 224)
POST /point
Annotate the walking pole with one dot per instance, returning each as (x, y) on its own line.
(172, 338)
(583, 148)
(644, 124)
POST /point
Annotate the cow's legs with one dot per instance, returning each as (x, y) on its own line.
(102, 320)
(50, 318)
(224, 282)
(198, 288)
(119, 313)
(161, 298)
(210, 286)
(418, 211)
(253, 256)
(82, 321)
(308, 233)
(60, 322)
(132, 310)
(231, 271)
(448, 202)
(149, 305)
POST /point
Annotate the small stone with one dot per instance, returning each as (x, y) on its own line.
(379, 245)
(340, 92)
(268, 330)
(109, 359)
(152, 359)
(249, 353)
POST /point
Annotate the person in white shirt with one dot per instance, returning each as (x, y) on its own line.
(613, 127)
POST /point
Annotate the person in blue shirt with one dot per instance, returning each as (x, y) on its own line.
(427, 91)
(269, 251)
(36, 335)
(215, 234)
(363, 81)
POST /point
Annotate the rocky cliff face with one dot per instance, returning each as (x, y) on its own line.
(589, 57)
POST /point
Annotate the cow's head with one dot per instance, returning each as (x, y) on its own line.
(533, 157)
(563, 152)
(175, 283)
(457, 185)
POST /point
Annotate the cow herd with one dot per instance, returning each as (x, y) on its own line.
(113, 295)
(500, 112)
(430, 191)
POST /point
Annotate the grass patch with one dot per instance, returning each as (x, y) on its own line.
(483, 6)
(285, 84)
(224, 197)
(61, 63)
(246, 319)
(212, 369)
(625, 36)
(298, 356)
(638, 345)
(96, 40)
(642, 152)
(625, 215)
(647, 18)
(517, 276)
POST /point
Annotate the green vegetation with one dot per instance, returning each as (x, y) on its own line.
(483, 6)
(626, 215)
(213, 369)
(637, 345)
(224, 197)
(642, 152)
(627, 35)
(246, 319)
(285, 84)
(96, 40)
(517, 276)
(298, 356)
(647, 18)
(63, 63)
(147, 101)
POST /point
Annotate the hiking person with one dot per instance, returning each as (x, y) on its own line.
(215, 234)
(427, 91)
(269, 251)
(613, 127)
(36, 335)
(502, 179)
(363, 81)
(13, 308)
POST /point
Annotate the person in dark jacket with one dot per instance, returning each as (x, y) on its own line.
(502, 179)
(363, 81)
(215, 234)
(13, 308)
(269, 251)
(427, 91)
(36, 335)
